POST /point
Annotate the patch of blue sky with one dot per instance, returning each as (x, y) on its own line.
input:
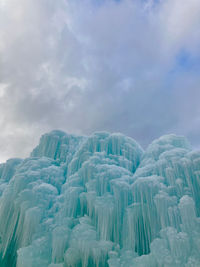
(149, 3)
(185, 62)
(101, 2)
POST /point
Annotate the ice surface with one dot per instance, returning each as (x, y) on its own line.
(101, 201)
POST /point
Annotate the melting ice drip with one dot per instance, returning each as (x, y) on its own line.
(101, 201)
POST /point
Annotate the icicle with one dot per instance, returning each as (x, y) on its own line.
(101, 201)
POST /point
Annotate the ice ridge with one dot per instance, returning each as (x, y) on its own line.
(101, 201)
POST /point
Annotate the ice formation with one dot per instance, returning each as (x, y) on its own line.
(101, 201)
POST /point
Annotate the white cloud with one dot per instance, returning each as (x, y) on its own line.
(84, 65)
(180, 23)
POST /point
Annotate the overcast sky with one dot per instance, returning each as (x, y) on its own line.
(130, 66)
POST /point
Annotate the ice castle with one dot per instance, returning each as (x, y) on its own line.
(101, 201)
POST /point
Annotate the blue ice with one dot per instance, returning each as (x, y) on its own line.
(101, 201)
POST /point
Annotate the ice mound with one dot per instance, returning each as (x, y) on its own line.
(101, 201)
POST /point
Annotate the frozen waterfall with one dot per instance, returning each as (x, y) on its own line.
(101, 201)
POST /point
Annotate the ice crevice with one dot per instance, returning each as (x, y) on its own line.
(101, 200)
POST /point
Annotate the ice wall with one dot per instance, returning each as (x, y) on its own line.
(101, 201)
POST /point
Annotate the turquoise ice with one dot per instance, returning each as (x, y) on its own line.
(101, 201)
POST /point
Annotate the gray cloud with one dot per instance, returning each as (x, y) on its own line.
(80, 66)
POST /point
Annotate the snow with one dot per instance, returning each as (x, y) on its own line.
(100, 200)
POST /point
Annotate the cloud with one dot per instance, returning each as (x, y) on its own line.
(82, 66)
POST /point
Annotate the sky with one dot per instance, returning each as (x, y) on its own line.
(129, 66)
